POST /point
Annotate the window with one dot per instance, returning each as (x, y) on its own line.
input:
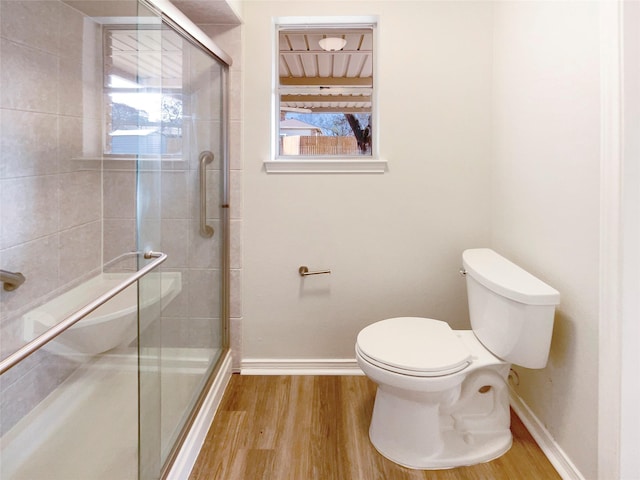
(324, 93)
(143, 98)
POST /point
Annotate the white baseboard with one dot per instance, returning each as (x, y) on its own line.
(186, 458)
(558, 458)
(324, 366)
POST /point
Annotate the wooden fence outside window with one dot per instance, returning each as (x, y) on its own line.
(318, 145)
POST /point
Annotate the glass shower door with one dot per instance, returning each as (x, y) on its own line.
(181, 342)
(68, 181)
(104, 118)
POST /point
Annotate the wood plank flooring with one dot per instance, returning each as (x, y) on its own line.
(316, 428)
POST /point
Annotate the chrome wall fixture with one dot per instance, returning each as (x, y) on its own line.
(304, 271)
(11, 280)
(205, 158)
(59, 328)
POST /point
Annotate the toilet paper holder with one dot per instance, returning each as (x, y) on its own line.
(304, 271)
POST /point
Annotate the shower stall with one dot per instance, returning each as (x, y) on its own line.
(114, 240)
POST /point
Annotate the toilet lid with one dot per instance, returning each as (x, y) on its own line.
(413, 345)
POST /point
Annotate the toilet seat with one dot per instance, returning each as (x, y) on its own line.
(421, 347)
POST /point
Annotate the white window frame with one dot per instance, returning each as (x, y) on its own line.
(322, 164)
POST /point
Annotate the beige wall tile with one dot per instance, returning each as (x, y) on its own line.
(36, 86)
(235, 253)
(29, 209)
(235, 145)
(80, 252)
(71, 96)
(28, 143)
(119, 194)
(148, 191)
(236, 206)
(183, 332)
(235, 95)
(235, 332)
(71, 144)
(175, 199)
(175, 242)
(203, 292)
(205, 252)
(72, 32)
(119, 237)
(179, 306)
(235, 301)
(38, 262)
(33, 23)
(80, 198)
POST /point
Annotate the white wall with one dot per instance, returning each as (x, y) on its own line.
(393, 241)
(490, 120)
(545, 204)
(630, 392)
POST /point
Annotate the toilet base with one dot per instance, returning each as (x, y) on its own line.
(458, 451)
(455, 428)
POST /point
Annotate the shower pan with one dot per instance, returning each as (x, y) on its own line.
(114, 209)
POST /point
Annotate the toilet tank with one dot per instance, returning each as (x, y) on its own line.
(511, 311)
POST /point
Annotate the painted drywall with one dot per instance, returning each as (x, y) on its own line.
(630, 391)
(393, 241)
(489, 118)
(545, 202)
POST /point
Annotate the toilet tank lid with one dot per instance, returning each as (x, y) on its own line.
(507, 279)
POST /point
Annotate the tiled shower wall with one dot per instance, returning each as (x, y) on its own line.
(59, 205)
(50, 201)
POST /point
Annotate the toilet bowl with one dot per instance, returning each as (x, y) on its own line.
(455, 412)
(442, 399)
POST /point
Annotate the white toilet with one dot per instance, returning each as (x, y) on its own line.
(442, 398)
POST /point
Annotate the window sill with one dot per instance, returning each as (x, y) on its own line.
(312, 165)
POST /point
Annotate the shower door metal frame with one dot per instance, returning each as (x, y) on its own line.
(178, 22)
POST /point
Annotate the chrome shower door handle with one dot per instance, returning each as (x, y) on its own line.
(205, 158)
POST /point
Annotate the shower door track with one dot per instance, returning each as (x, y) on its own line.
(50, 334)
(189, 30)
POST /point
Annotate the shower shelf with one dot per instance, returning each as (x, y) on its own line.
(53, 332)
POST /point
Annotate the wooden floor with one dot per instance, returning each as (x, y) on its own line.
(316, 428)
